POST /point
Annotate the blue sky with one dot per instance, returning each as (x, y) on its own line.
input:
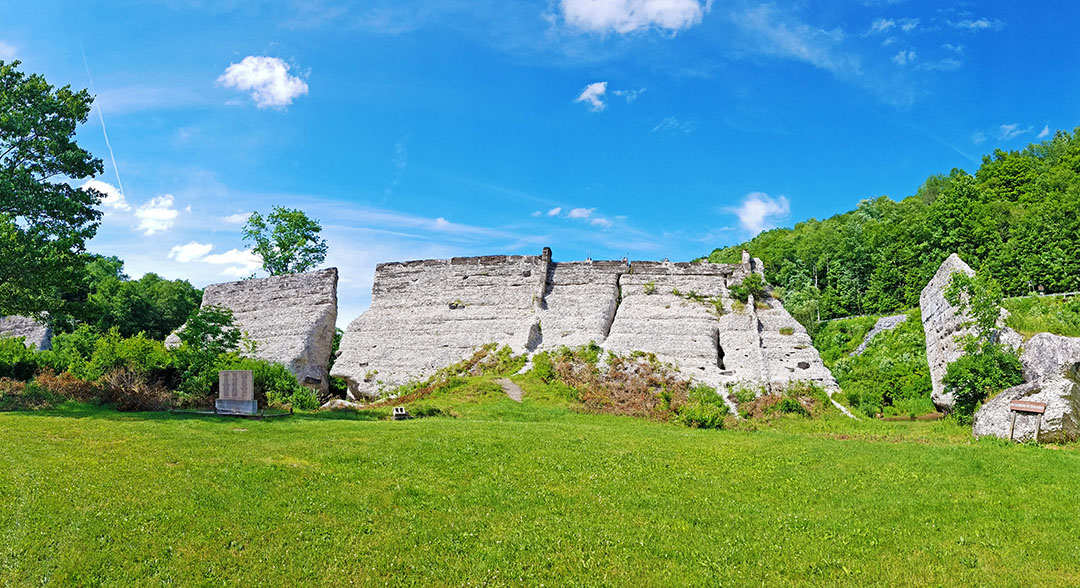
(603, 128)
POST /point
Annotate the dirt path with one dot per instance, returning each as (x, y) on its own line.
(512, 390)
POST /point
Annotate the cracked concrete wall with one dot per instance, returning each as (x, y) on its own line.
(428, 314)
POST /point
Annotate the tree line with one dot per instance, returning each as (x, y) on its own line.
(1016, 220)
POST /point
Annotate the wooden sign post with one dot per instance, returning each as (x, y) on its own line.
(1030, 407)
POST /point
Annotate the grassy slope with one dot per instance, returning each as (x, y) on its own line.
(525, 494)
(893, 364)
(1044, 315)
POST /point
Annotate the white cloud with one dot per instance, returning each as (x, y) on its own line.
(593, 95)
(980, 24)
(674, 126)
(1044, 133)
(946, 64)
(554, 211)
(600, 222)
(908, 24)
(442, 224)
(156, 215)
(773, 33)
(112, 197)
(629, 95)
(959, 48)
(1012, 131)
(193, 251)
(880, 26)
(266, 78)
(759, 211)
(904, 57)
(7, 52)
(536, 214)
(978, 137)
(238, 271)
(246, 259)
(625, 16)
(236, 219)
(580, 213)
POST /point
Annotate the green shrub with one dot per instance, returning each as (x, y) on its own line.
(974, 377)
(752, 284)
(274, 383)
(790, 405)
(15, 395)
(704, 408)
(423, 410)
(137, 354)
(16, 360)
(72, 351)
(543, 368)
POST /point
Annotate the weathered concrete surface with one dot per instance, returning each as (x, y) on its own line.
(883, 325)
(36, 334)
(291, 319)
(580, 299)
(428, 314)
(1047, 360)
(942, 326)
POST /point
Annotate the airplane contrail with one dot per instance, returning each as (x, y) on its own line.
(116, 170)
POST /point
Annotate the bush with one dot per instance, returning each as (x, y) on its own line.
(17, 362)
(274, 383)
(752, 284)
(68, 386)
(704, 409)
(974, 377)
(15, 395)
(137, 354)
(543, 367)
(129, 390)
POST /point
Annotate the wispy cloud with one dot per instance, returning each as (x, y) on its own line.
(629, 95)
(1044, 133)
(880, 26)
(7, 52)
(904, 57)
(236, 219)
(1011, 131)
(554, 211)
(781, 35)
(580, 213)
(978, 137)
(674, 126)
(626, 16)
(980, 24)
(267, 79)
(593, 95)
(759, 212)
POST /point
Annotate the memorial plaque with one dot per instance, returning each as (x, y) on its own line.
(236, 392)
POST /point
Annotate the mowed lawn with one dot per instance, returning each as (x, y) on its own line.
(525, 495)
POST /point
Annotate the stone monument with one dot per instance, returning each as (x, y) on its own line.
(236, 393)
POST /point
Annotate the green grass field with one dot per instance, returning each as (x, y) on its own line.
(525, 494)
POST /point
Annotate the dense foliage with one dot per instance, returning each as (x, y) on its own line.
(987, 367)
(890, 377)
(107, 298)
(140, 373)
(44, 221)
(1016, 218)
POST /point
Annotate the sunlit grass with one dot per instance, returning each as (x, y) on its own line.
(524, 494)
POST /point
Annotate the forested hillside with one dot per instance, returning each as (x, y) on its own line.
(1017, 218)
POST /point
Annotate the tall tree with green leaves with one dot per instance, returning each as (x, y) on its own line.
(44, 221)
(287, 240)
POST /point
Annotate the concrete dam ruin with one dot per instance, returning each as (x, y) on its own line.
(428, 314)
